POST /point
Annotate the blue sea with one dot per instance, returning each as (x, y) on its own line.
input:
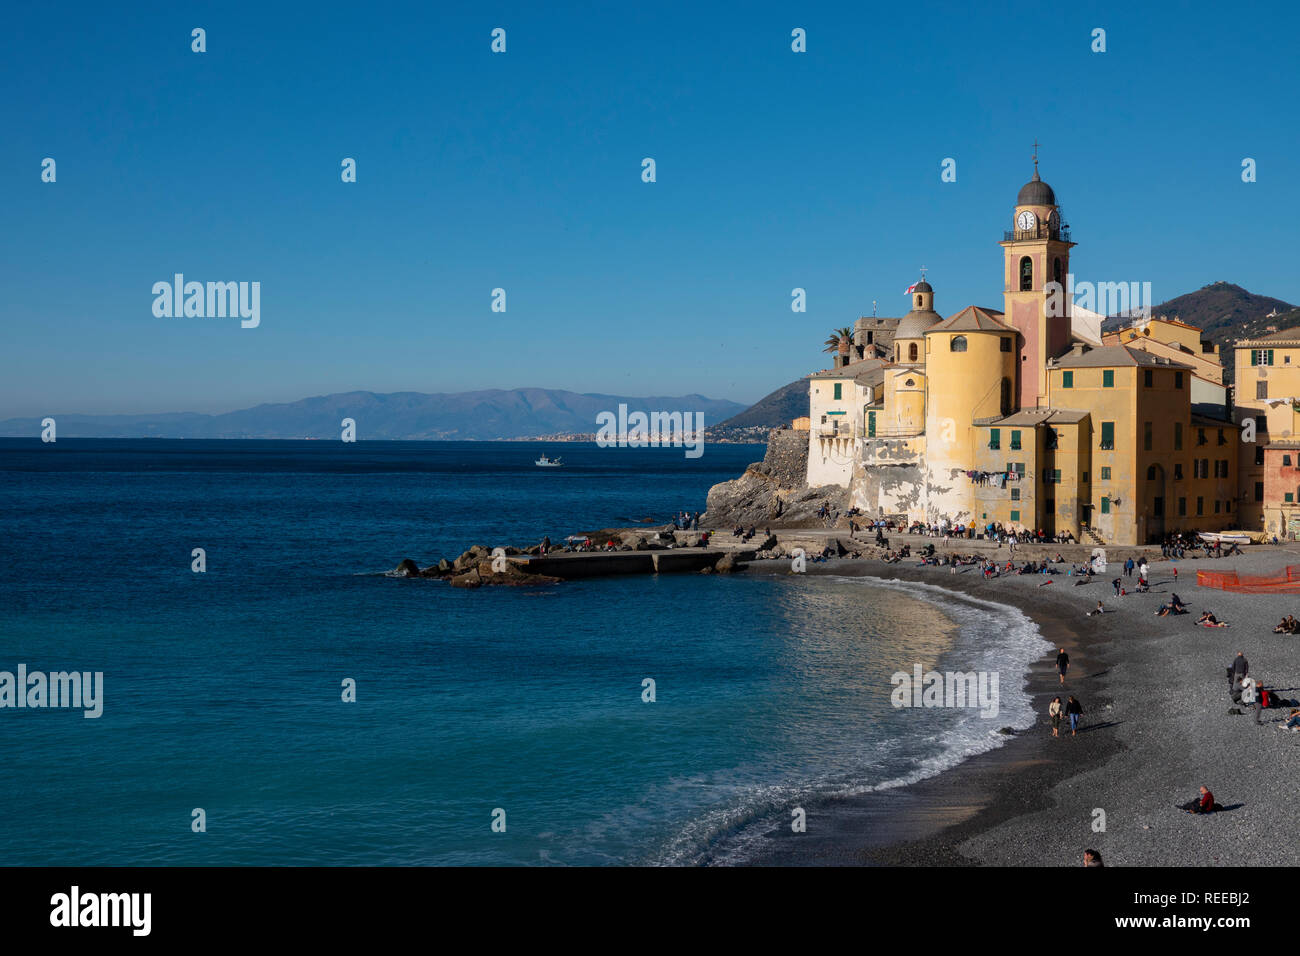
(223, 689)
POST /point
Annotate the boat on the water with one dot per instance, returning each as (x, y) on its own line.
(545, 462)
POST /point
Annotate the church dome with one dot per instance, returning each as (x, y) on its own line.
(916, 322)
(1036, 193)
(923, 286)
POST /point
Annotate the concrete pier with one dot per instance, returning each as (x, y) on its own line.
(590, 564)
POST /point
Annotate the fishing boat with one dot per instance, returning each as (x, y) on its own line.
(545, 462)
(1227, 537)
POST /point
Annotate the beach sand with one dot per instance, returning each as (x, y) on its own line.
(1156, 727)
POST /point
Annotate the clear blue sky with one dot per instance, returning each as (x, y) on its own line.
(522, 170)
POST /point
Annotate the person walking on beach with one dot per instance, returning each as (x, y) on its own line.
(1074, 711)
(1062, 665)
(1128, 568)
(1250, 695)
(1238, 671)
(1054, 711)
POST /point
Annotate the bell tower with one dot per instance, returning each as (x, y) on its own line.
(1036, 253)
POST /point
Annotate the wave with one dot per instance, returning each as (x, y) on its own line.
(992, 637)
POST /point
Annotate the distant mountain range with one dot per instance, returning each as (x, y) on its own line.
(493, 414)
(778, 408)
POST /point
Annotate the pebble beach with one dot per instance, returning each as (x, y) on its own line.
(1156, 727)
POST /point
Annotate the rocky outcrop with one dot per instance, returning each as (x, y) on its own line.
(407, 568)
(772, 493)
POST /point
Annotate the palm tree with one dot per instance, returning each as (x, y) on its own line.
(839, 340)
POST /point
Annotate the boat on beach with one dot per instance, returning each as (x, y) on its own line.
(545, 462)
(1226, 537)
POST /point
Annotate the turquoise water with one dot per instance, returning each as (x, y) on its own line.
(223, 689)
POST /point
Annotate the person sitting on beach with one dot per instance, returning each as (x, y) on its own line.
(1099, 610)
(1293, 721)
(1202, 804)
(1208, 619)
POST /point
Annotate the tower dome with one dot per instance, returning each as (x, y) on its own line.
(914, 324)
(1036, 192)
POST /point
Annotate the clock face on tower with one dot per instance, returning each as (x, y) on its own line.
(1025, 221)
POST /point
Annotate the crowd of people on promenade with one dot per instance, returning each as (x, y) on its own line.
(1179, 546)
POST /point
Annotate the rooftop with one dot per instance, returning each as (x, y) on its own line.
(1115, 356)
(973, 319)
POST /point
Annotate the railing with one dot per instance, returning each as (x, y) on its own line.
(1038, 232)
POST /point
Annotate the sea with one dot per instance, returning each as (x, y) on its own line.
(295, 703)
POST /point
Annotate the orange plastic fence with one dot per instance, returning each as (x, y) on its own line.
(1286, 580)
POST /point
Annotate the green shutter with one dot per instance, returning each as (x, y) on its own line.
(995, 438)
(1067, 378)
(1015, 516)
(1270, 356)
(1108, 378)
(1254, 357)
(1107, 434)
(1105, 506)
(838, 386)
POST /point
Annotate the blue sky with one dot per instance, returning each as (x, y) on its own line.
(523, 171)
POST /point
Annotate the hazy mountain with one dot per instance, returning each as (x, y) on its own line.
(482, 416)
(771, 411)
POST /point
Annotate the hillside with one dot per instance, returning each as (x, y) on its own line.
(487, 415)
(773, 410)
(1226, 312)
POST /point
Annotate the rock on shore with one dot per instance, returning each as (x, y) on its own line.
(772, 493)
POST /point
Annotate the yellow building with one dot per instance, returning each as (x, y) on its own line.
(1267, 403)
(1016, 420)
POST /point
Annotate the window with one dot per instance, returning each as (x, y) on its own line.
(995, 438)
(1026, 274)
(1006, 343)
(1108, 378)
(1178, 471)
(1222, 440)
(918, 301)
(1067, 380)
(1015, 440)
(1259, 454)
(1006, 396)
(1015, 516)
(1286, 461)
(1056, 270)
(1015, 494)
(1178, 379)
(1200, 436)
(1017, 466)
(1085, 476)
(1228, 505)
(1259, 491)
(1151, 473)
(1147, 378)
(957, 343)
(1105, 505)
(838, 386)
(1288, 497)
(1105, 473)
(1178, 436)
(1261, 357)
(1223, 468)
(1218, 503)
(1261, 388)
(1146, 436)
(1107, 435)
(1056, 475)
(911, 352)
(909, 383)
(1200, 506)
(1182, 507)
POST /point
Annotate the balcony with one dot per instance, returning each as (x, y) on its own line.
(1040, 231)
